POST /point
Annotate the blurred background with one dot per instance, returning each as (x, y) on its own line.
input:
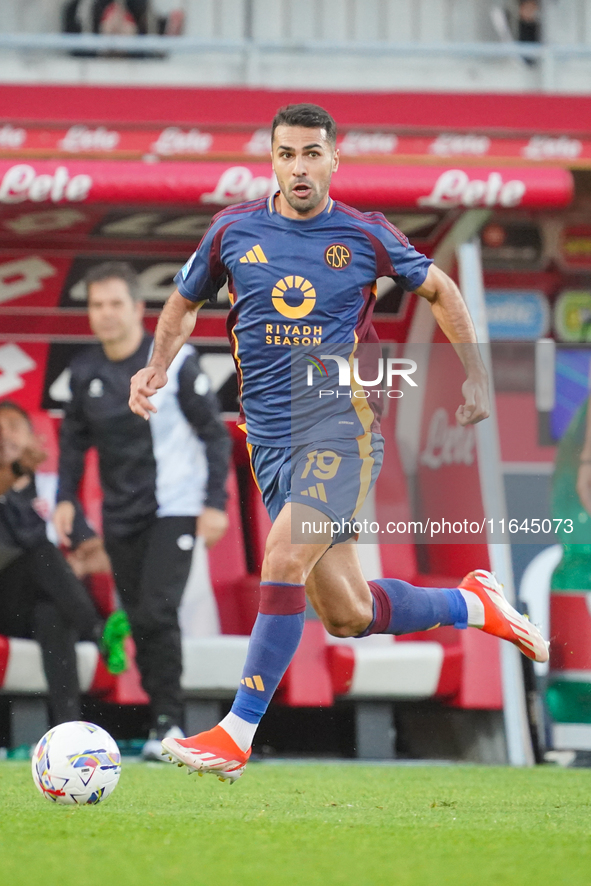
(124, 126)
(337, 44)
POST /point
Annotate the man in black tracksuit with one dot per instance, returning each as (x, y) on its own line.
(158, 478)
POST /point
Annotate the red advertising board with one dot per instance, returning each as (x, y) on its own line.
(385, 144)
(233, 124)
(213, 185)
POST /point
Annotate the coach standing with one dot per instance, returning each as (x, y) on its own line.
(157, 477)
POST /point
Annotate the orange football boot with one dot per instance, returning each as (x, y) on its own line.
(501, 620)
(213, 751)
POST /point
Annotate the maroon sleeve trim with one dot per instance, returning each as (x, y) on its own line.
(384, 266)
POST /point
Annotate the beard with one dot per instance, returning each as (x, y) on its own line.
(310, 202)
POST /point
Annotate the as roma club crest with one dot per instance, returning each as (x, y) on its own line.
(337, 256)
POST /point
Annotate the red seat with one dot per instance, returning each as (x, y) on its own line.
(236, 591)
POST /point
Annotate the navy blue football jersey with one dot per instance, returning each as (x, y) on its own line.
(296, 283)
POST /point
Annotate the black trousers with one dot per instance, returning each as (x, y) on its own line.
(41, 599)
(151, 569)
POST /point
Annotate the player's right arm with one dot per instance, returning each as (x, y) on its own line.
(175, 325)
(198, 282)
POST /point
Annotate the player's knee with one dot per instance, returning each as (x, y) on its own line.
(343, 630)
(349, 624)
(284, 564)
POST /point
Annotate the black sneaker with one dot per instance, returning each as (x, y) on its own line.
(165, 728)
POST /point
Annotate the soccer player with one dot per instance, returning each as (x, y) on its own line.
(163, 482)
(277, 255)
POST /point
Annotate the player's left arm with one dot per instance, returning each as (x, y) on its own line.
(451, 313)
(197, 282)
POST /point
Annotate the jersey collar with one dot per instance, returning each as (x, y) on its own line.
(282, 219)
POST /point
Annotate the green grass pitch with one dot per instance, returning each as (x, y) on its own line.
(300, 825)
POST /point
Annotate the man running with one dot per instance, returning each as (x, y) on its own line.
(277, 255)
(163, 482)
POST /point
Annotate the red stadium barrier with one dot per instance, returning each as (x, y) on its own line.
(211, 185)
(247, 109)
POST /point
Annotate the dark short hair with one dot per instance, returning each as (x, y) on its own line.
(307, 115)
(114, 270)
(14, 407)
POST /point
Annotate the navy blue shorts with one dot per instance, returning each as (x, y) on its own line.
(332, 476)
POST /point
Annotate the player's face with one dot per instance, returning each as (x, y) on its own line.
(113, 314)
(304, 161)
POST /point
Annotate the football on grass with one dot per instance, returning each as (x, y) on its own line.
(76, 764)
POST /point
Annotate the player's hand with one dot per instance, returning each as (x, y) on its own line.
(212, 525)
(477, 406)
(144, 385)
(584, 485)
(63, 520)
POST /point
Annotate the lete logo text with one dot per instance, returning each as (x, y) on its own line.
(455, 188)
(237, 184)
(22, 182)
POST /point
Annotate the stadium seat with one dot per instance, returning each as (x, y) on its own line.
(370, 668)
(235, 590)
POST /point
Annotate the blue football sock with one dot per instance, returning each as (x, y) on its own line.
(402, 608)
(275, 637)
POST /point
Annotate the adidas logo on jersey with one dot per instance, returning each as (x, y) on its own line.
(254, 256)
(254, 683)
(317, 491)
